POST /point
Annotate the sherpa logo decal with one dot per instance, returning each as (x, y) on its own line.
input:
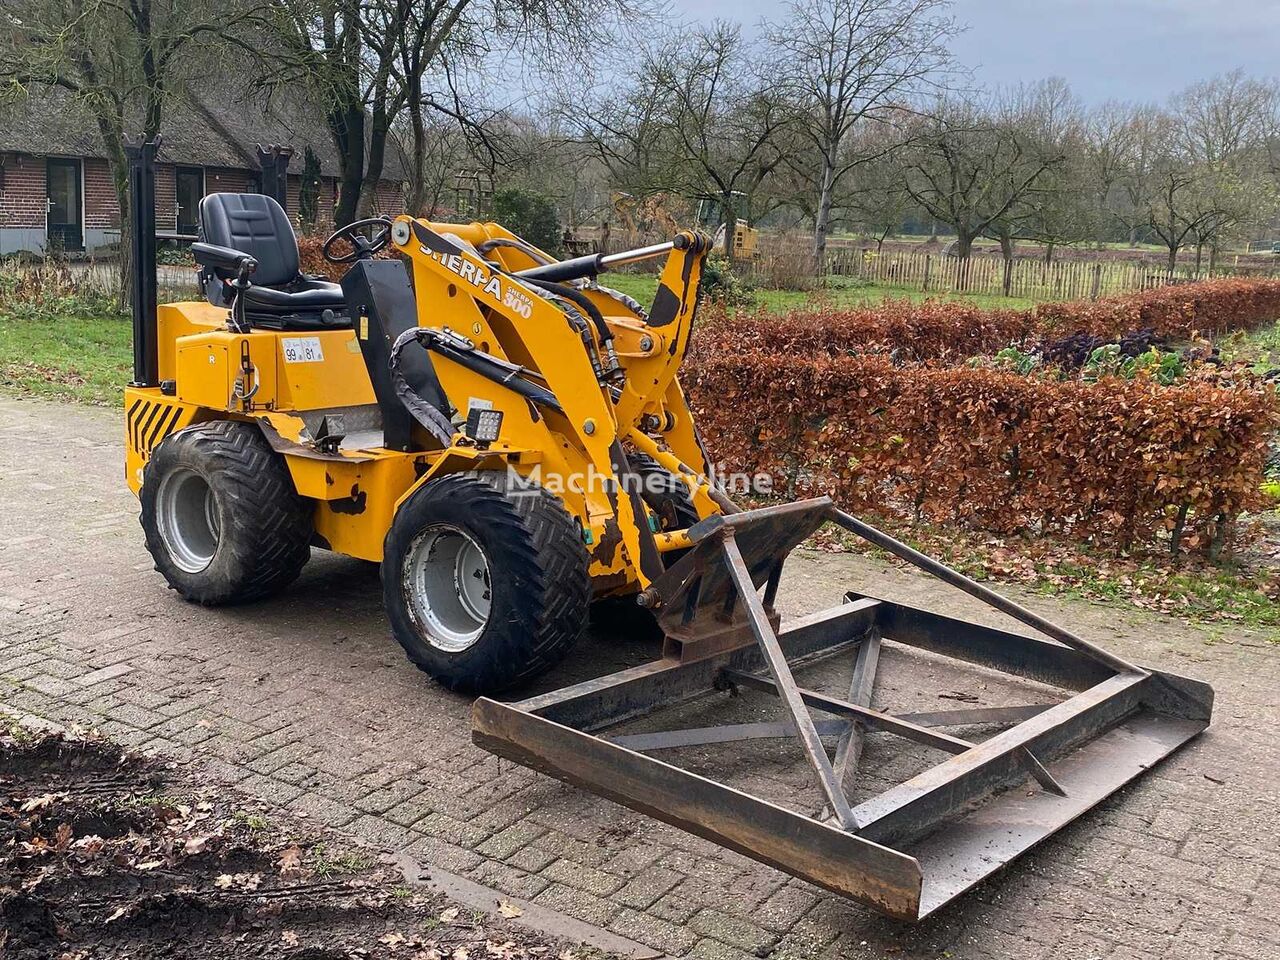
(479, 277)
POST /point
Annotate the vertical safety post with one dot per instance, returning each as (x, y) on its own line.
(142, 222)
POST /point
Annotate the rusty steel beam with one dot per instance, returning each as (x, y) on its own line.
(988, 596)
(829, 857)
(785, 684)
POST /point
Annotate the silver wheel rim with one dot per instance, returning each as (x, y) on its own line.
(446, 578)
(187, 515)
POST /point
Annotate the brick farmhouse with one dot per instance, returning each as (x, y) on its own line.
(56, 192)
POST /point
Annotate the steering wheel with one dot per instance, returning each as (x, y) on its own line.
(362, 247)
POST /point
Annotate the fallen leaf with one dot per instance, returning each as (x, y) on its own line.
(461, 954)
(289, 938)
(224, 881)
(392, 939)
(38, 803)
(119, 912)
(62, 839)
(195, 845)
(151, 865)
(509, 909)
(290, 861)
(450, 915)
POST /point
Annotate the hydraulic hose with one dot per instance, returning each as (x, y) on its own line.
(579, 299)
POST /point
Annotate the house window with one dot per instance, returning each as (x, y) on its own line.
(190, 191)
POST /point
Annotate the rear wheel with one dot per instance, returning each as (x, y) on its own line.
(222, 519)
(485, 583)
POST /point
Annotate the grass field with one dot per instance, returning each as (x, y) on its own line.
(70, 349)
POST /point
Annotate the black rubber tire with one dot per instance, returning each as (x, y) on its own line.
(668, 497)
(264, 526)
(539, 578)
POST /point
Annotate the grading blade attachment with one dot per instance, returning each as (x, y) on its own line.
(1095, 722)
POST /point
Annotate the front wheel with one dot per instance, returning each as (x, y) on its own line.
(222, 519)
(485, 582)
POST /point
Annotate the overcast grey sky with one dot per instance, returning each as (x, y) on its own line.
(1106, 49)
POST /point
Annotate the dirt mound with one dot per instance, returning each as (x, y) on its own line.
(104, 854)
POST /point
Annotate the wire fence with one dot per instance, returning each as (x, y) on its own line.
(1032, 279)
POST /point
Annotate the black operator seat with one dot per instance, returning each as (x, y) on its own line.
(281, 297)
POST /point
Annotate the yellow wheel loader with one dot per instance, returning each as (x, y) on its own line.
(509, 439)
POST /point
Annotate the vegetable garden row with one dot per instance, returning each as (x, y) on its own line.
(1111, 420)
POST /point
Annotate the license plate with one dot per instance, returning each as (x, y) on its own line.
(302, 350)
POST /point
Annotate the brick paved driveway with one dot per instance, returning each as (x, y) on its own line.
(306, 701)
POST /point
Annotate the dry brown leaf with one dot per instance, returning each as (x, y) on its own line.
(290, 861)
(289, 938)
(392, 939)
(62, 838)
(509, 910)
(195, 845)
(224, 881)
(448, 916)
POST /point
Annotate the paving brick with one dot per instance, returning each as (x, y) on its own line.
(576, 903)
(596, 882)
(643, 928)
(728, 929)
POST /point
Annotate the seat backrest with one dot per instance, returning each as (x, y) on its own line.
(256, 225)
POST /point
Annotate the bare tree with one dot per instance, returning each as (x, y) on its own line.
(726, 120)
(968, 171)
(848, 61)
(372, 59)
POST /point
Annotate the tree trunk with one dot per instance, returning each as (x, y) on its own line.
(418, 189)
(1006, 248)
(822, 221)
(730, 216)
(1048, 252)
(377, 160)
(1173, 259)
(1213, 257)
(1199, 255)
(346, 122)
(111, 130)
(964, 248)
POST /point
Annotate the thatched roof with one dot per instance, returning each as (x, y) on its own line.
(206, 124)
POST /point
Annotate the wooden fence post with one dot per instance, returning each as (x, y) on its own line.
(1097, 281)
(928, 259)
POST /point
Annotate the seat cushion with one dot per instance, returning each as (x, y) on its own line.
(315, 295)
(256, 225)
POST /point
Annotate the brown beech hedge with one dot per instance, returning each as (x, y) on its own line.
(1118, 462)
(954, 330)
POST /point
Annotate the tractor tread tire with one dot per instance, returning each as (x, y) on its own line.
(538, 564)
(265, 535)
(674, 496)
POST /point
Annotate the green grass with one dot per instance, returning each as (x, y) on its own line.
(643, 286)
(1260, 348)
(67, 350)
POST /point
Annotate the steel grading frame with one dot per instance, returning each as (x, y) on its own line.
(916, 846)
